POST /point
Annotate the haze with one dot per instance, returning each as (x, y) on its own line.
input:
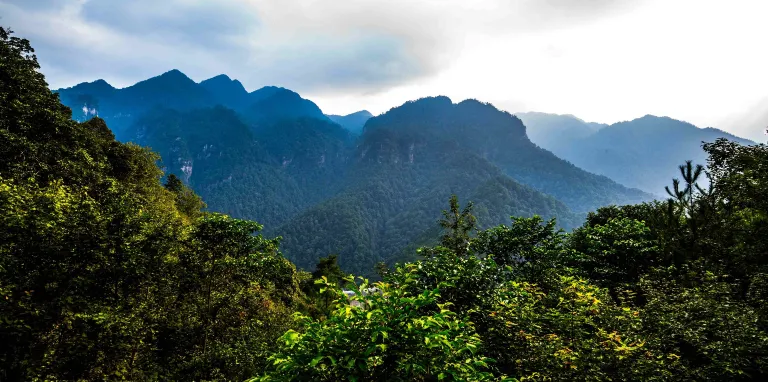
(604, 61)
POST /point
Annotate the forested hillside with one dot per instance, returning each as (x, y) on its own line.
(110, 270)
(500, 138)
(273, 156)
(641, 153)
(391, 193)
(272, 172)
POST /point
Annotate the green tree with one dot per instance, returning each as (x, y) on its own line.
(390, 335)
(327, 268)
(458, 225)
(107, 275)
(615, 255)
(188, 203)
(529, 245)
(715, 336)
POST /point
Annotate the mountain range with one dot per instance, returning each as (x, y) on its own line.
(643, 153)
(361, 186)
(121, 108)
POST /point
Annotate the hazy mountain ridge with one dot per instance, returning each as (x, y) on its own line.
(173, 89)
(642, 153)
(553, 131)
(353, 122)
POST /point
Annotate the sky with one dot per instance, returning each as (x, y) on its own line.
(606, 61)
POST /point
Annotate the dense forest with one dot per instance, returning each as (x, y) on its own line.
(112, 270)
(361, 187)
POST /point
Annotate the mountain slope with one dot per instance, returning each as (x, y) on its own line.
(393, 194)
(500, 138)
(642, 153)
(269, 178)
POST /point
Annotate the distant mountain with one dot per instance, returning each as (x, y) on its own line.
(353, 122)
(642, 153)
(410, 160)
(174, 90)
(500, 138)
(553, 131)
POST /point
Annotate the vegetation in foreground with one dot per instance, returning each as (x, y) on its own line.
(105, 273)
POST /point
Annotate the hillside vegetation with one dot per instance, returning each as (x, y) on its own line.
(110, 270)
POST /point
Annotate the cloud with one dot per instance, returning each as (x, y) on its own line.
(318, 46)
(203, 24)
(750, 123)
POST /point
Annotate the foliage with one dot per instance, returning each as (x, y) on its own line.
(391, 334)
(458, 224)
(615, 254)
(568, 331)
(714, 334)
(105, 273)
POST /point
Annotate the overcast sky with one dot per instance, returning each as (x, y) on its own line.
(702, 61)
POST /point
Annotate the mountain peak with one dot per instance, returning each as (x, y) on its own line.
(174, 73)
(478, 106)
(98, 86)
(218, 78)
(433, 100)
(272, 103)
(170, 78)
(226, 90)
(361, 113)
(102, 84)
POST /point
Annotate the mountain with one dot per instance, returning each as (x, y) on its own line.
(226, 91)
(642, 153)
(500, 138)
(553, 131)
(171, 89)
(273, 104)
(410, 160)
(353, 122)
(392, 196)
(288, 167)
(120, 108)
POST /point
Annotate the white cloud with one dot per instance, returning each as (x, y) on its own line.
(602, 60)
